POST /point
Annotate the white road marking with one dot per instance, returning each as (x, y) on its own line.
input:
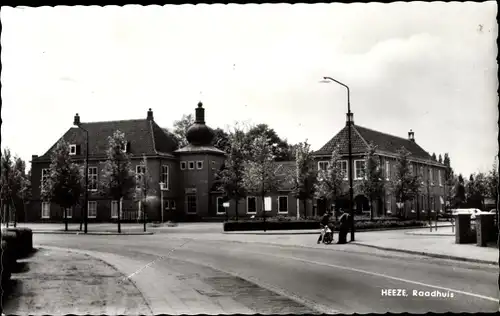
(378, 275)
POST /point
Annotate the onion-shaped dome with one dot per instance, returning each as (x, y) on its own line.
(200, 134)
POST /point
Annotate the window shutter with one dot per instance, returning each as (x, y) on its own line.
(78, 149)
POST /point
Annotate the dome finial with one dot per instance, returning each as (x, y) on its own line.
(200, 105)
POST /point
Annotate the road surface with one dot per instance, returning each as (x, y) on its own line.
(324, 281)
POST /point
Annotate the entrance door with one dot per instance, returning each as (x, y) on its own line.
(191, 205)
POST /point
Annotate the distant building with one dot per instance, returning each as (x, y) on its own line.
(387, 152)
(188, 173)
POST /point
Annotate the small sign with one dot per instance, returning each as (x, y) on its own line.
(267, 204)
(225, 204)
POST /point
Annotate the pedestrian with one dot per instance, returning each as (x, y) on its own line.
(325, 220)
(344, 219)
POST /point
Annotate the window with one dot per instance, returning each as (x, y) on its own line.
(45, 209)
(251, 205)
(45, 176)
(72, 149)
(220, 206)
(172, 204)
(430, 176)
(199, 165)
(166, 204)
(342, 165)
(69, 212)
(439, 178)
(92, 178)
(164, 177)
(422, 174)
(114, 209)
(359, 169)
(323, 165)
(283, 204)
(124, 146)
(191, 204)
(191, 165)
(387, 170)
(140, 170)
(92, 209)
(183, 165)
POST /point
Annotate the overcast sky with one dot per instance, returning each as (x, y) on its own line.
(430, 67)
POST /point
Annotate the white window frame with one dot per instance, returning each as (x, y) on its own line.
(124, 146)
(172, 204)
(422, 173)
(45, 174)
(217, 206)
(140, 170)
(183, 165)
(430, 176)
(72, 149)
(387, 169)
(165, 177)
(189, 165)
(166, 204)
(88, 209)
(346, 163)
(45, 210)
(139, 210)
(279, 204)
(93, 178)
(439, 178)
(199, 165)
(356, 169)
(69, 212)
(187, 204)
(248, 198)
(323, 162)
(117, 203)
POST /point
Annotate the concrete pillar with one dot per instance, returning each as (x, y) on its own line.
(462, 228)
(485, 229)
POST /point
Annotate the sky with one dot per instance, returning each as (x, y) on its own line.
(430, 67)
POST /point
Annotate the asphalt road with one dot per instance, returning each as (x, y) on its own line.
(326, 281)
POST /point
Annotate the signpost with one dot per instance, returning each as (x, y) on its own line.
(226, 206)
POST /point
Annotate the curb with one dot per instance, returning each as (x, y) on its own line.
(317, 232)
(428, 254)
(437, 234)
(57, 232)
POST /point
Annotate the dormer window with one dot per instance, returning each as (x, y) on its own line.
(183, 165)
(191, 165)
(72, 149)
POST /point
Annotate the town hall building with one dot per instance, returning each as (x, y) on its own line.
(184, 178)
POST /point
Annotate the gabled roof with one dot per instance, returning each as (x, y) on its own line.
(362, 137)
(144, 137)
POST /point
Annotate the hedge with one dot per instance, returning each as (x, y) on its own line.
(8, 261)
(271, 224)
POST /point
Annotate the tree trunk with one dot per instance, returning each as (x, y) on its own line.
(371, 209)
(65, 219)
(304, 201)
(236, 209)
(119, 216)
(264, 212)
(14, 214)
(144, 214)
(7, 215)
(418, 211)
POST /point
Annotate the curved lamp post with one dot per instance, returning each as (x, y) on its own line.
(349, 118)
(79, 124)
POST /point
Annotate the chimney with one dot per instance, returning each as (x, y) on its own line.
(76, 122)
(411, 136)
(200, 114)
(349, 118)
(150, 115)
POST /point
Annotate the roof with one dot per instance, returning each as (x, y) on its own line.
(362, 137)
(144, 137)
(194, 149)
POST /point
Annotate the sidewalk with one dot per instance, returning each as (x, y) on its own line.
(60, 282)
(92, 228)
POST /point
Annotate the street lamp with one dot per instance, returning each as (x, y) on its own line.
(79, 124)
(162, 187)
(349, 123)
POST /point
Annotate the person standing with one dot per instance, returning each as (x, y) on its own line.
(344, 227)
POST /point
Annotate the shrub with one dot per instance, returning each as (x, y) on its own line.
(20, 241)
(8, 261)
